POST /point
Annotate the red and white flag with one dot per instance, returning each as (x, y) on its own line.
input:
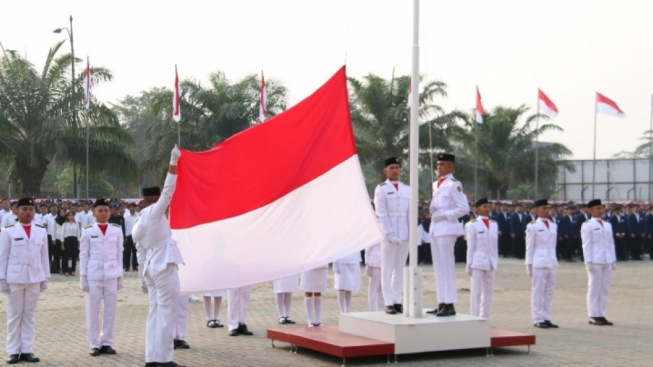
(87, 84)
(608, 106)
(546, 105)
(298, 201)
(479, 107)
(176, 99)
(263, 103)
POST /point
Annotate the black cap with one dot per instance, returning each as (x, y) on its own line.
(541, 202)
(480, 202)
(446, 157)
(25, 202)
(151, 191)
(100, 202)
(595, 202)
(391, 160)
(131, 204)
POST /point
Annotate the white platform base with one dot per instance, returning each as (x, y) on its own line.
(417, 335)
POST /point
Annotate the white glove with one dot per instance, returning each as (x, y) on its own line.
(529, 270)
(44, 285)
(468, 269)
(84, 283)
(588, 266)
(614, 266)
(368, 270)
(119, 283)
(4, 287)
(144, 288)
(336, 268)
(174, 156)
(391, 237)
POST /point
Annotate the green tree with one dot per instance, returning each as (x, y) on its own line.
(506, 152)
(36, 124)
(98, 187)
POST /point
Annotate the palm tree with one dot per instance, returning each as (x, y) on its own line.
(36, 125)
(506, 151)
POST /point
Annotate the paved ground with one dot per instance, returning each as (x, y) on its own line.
(61, 336)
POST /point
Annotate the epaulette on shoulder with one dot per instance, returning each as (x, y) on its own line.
(533, 221)
(116, 224)
(88, 226)
(39, 225)
(382, 183)
(10, 225)
(492, 220)
(473, 220)
(453, 179)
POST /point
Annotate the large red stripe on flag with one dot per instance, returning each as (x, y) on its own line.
(267, 161)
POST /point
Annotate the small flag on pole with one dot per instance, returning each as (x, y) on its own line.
(176, 99)
(608, 106)
(546, 104)
(479, 107)
(87, 84)
(263, 104)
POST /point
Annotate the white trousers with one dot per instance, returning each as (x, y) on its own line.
(374, 291)
(237, 306)
(163, 293)
(543, 284)
(393, 261)
(182, 318)
(444, 267)
(101, 291)
(21, 307)
(482, 284)
(598, 289)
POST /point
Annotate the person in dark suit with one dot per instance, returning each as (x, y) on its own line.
(649, 231)
(502, 218)
(518, 223)
(619, 232)
(569, 234)
(635, 233)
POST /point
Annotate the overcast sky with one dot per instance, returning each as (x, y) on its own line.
(570, 49)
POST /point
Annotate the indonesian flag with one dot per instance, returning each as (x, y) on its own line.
(479, 107)
(608, 106)
(87, 84)
(275, 200)
(546, 105)
(176, 99)
(263, 103)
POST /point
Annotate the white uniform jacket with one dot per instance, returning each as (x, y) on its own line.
(373, 255)
(598, 243)
(392, 207)
(541, 244)
(100, 255)
(448, 204)
(156, 248)
(24, 260)
(482, 245)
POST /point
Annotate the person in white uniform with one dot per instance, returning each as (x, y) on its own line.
(347, 279)
(448, 204)
(12, 217)
(24, 274)
(237, 308)
(392, 203)
(314, 282)
(482, 259)
(100, 269)
(212, 311)
(600, 261)
(542, 264)
(158, 257)
(283, 289)
(373, 271)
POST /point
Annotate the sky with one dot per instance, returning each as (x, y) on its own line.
(508, 48)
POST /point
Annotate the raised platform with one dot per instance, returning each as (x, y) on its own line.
(507, 338)
(417, 335)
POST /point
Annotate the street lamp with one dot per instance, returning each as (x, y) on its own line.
(72, 64)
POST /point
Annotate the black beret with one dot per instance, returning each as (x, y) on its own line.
(151, 191)
(25, 202)
(595, 202)
(480, 202)
(446, 157)
(391, 160)
(101, 201)
(541, 202)
(131, 204)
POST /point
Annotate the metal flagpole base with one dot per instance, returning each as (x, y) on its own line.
(413, 292)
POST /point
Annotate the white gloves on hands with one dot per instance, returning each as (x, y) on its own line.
(614, 266)
(529, 270)
(119, 283)
(144, 288)
(468, 269)
(174, 156)
(336, 268)
(368, 270)
(44, 285)
(84, 283)
(4, 287)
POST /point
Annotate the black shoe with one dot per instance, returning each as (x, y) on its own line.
(95, 352)
(541, 325)
(126, 269)
(135, 269)
(106, 349)
(29, 357)
(150, 364)
(242, 329)
(399, 308)
(390, 310)
(233, 332)
(606, 322)
(181, 344)
(596, 321)
(168, 364)
(13, 358)
(448, 310)
(289, 320)
(438, 309)
(282, 320)
(550, 324)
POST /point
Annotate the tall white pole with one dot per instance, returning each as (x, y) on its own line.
(412, 280)
(537, 165)
(476, 161)
(650, 153)
(596, 98)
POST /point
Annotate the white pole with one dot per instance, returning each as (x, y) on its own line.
(596, 98)
(88, 129)
(475, 160)
(537, 126)
(650, 153)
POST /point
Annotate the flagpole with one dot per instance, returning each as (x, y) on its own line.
(431, 151)
(178, 122)
(537, 126)
(596, 99)
(88, 133)
(650, 153)
(476, 161)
